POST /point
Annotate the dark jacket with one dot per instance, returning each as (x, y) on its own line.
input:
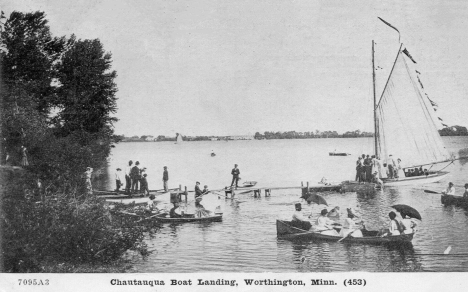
(235, 172)
(198, 191)
(165, 175)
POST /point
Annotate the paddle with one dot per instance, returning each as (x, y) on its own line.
(431, 192)
(348, 235)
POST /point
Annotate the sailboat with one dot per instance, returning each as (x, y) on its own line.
(405, 124)
(178, 139)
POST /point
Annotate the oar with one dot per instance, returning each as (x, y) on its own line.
(348, 235)
(431, 192)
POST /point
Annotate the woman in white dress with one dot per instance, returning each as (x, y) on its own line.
(350, 228)
(324, 225)
(407, 224)
(394, 227)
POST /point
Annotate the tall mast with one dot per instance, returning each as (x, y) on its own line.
(376, 134)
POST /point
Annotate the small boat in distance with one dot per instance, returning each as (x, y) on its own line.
(285, 230)
(338, 154)
(213, 154)
(178, 139)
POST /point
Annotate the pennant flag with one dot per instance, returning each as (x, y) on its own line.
(439, 118)
(409, 56)
(417, 71)
(419, 80)
(444, 125)
(391, 27)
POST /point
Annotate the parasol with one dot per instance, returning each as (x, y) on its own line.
(314, 198)
(410, 211)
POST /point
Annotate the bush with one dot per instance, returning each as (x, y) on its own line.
(64, 229)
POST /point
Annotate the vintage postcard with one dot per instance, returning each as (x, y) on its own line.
(233, 145)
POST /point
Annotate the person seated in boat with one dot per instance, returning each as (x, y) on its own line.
(324, 181)
(407, 225)
(198, 191)
(335, 212)
(394, 226)
(151, 205)
(324, 225)
(175, 212)
(465, 194)
(450, 190)
(416, 172)
(350, 227)
(426, 172)
(298, 219)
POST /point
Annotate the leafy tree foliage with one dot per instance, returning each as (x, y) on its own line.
(86, 95)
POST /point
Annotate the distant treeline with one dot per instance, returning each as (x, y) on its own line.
(311, 135)
(454, 131)
(448, 131)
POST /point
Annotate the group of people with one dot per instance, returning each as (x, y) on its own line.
(135, 178)
(351, 225)
(372, 169)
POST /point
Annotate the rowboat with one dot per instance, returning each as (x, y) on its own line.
(458, 201)
(246, 184)
(218, 217)
(338, 154)
(284, 230)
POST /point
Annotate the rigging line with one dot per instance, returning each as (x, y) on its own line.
(399, 51)
(446, 166)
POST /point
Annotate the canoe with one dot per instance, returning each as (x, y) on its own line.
(285, 231)
(163, 219)
(129, 201)
(246, 184)
(338, 154)
(123, 193)
(450, 200)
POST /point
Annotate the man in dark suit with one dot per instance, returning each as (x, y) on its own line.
(235, 175)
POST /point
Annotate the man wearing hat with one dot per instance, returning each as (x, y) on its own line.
(198, 191)
(298, 219)
(235, 175)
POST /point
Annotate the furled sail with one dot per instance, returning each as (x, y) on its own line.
(406, 121)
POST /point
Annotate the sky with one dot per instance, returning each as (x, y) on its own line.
(211, 67)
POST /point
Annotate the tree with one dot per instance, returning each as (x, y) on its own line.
(28, 65)
(87, 89)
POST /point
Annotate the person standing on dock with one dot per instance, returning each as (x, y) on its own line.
(391, 166)
(128, 179)
(165, 179)
(135, 176)
(198, 191)
(118, 179)
(235, 175)
(144, 185)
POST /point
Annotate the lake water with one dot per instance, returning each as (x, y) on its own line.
(246, 240)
